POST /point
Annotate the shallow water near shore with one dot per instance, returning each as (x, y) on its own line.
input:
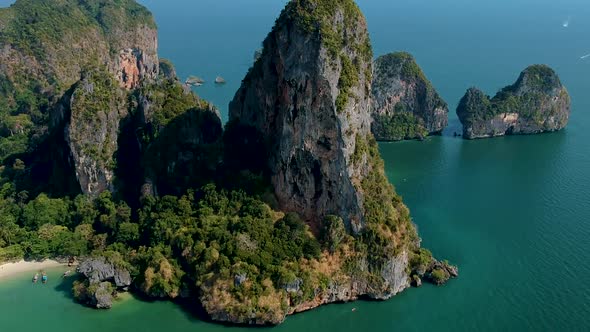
(513, 213)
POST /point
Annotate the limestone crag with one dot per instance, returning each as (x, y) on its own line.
(308, 101)
(536, 103)
(405, 105)
(97, 106)
(98, 270)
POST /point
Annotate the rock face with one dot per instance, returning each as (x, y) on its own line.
(97, 106)
(405, 105)
(308, 100)
(98, 270)
(536, 103)
(184, 152)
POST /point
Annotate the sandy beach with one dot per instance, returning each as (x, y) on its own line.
(9, 269)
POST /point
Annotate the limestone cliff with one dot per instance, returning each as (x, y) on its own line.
(405, 105)
(308, 98)
(536, 103)
(45, 46)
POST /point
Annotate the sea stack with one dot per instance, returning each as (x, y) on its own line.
(304, 111)
(405, 105)
(538, 102)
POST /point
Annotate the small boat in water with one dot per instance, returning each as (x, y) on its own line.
(44, 278)
(35, 278)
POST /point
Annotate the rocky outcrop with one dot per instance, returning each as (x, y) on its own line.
(308, 101)
(99, 269)
(404, 103)
(424, 266)
(97, 105)
(167, 70)
(536, 103)
(102, 280)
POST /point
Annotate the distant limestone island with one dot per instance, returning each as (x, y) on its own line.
(285, 208)
(536, 103)
(405, 105)
(197, 81)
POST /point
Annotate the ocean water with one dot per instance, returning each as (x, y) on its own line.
(513, 212)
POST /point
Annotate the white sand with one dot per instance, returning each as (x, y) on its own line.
(10, 269)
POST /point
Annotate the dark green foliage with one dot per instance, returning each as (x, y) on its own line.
(399, 126)
(51, 227)
(348, 78)
(388, 224)
(222, 229)
(197, 132)
(334, 233)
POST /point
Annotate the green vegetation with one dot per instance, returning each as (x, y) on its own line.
(399, 126)
(348, 79)
(438, 276)
(388, 224)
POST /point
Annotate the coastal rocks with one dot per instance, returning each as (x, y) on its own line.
(404, 103)
(96, 107)
(102, 280)
(194, 81)
(424, 266)
(536, 103)
(98, 295)
(307, 102)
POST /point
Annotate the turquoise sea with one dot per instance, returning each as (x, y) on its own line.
(513, 213)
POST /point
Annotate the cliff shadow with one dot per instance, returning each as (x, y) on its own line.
(65, 285)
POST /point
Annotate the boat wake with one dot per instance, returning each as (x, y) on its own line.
(585, 56)
(567, 22)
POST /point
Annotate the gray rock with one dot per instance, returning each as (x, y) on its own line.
(292, 98)
(99, 270)
(293, 286)
(416, 281)
(103, 296)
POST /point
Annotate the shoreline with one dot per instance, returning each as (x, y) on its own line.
(22, 266)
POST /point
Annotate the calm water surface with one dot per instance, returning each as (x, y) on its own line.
(513, 213)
